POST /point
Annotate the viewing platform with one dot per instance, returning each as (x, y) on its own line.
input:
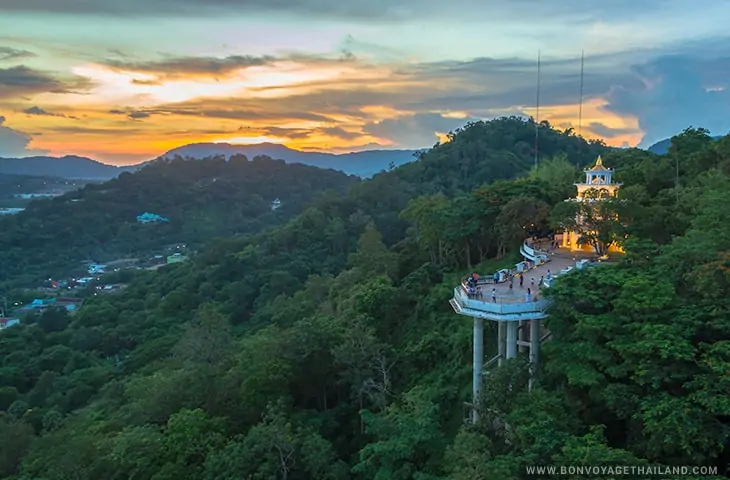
(512, 298)
(499, 302)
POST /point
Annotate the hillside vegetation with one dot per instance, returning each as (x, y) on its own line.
(325, 348)
(202, 200)
(362, 164)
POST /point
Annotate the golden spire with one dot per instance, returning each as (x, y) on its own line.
(599, 165)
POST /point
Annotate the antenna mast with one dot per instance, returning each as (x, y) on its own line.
(580, 102)
(537, 109)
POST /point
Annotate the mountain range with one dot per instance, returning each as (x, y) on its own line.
(363, 164)
(70, 166)
(662, 146)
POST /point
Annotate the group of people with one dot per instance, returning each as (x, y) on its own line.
(538, 244)
(475, 291)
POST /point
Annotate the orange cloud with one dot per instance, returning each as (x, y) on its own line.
(136, 111)
(597, 122)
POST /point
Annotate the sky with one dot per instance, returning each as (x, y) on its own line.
(125, 81)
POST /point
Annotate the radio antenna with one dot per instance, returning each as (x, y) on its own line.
(537, 110)
(580, 102)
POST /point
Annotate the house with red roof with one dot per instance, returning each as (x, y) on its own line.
(6, 322)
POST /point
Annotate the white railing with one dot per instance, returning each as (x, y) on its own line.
(537, 256)
(499, 308)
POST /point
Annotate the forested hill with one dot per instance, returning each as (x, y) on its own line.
(662, 146)
(325, 348)
(201, 200)
(484, 152)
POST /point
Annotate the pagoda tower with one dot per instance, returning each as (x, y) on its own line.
(598, 177)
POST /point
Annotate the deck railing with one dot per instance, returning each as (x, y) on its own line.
(514, 304)
(533, 254)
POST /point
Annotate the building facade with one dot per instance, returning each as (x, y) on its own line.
(598, 184)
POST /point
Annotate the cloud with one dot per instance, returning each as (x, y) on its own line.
(414, 131)
(170, 67)
(279, 132)
(485, 84)
(604, 131)
(237, 109)
(139, 115)
(176, 67)
(132, 114)
(676, 92)
(90, 130)
(302, 133)
(405, 105)
(347, 100)
(38, 111)
(14, 143)
(338, 132)
(21, 81)
(365, 10)
(7, 53)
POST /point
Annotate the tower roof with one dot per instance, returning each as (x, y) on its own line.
(599, 167)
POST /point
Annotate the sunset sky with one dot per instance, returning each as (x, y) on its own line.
(125, 81)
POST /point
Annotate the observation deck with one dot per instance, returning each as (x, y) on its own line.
(498, 302)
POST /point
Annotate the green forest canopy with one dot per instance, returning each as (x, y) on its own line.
(325, 348)
(202, 199)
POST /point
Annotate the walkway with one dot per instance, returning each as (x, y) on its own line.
(559, 259)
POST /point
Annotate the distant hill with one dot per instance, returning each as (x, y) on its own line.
(201, 200)
(11, 186)
(362, 164)
(70, 166)
(662, 146)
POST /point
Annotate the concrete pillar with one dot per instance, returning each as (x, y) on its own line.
(501, 339)
(524, 335)
(478, 365)
(511, 339)
(535, 333)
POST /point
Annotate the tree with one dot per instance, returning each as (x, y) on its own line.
(277, 447)
(595, 218)
(406, 436)
(558, 175)
(428, 214)
(372, 256)
(518, 218)
(208, 339)
(15, 439)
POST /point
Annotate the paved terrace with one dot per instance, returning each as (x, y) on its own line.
(559, 259)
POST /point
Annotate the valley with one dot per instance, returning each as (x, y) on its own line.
(316, 339)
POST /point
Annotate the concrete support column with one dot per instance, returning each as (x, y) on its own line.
(524, 335)
(511, 339)
(501, 339)
(535, 333)
(478, 365)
